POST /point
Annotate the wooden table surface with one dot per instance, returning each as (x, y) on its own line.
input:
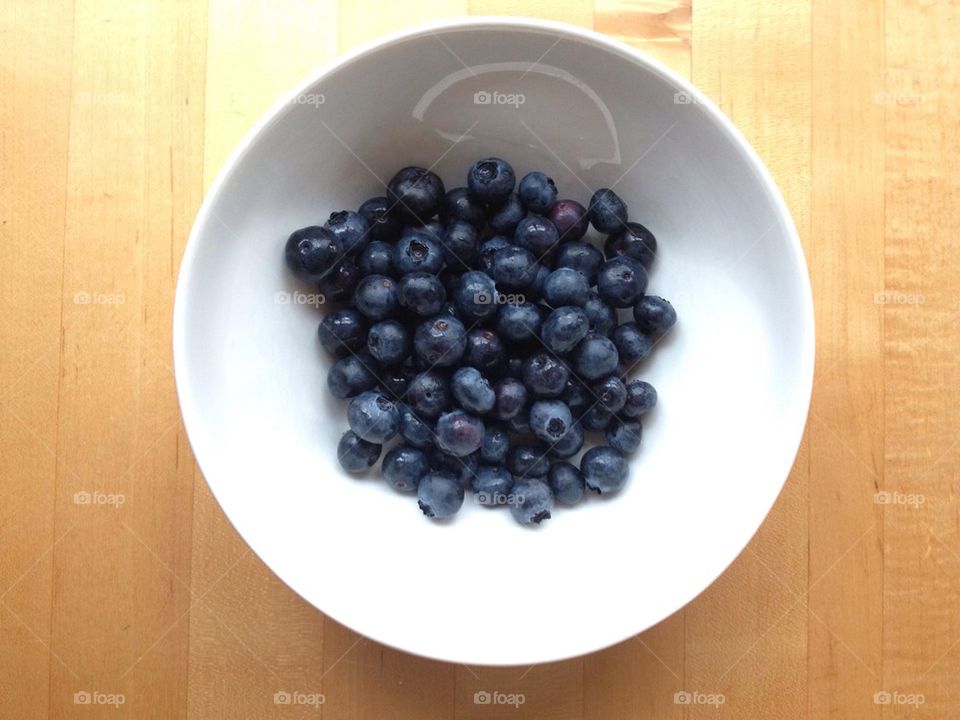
(115, 116)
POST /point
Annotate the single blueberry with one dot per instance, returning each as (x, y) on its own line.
(596, 418)
(511, 397)
(416, 193)
(343, 331)
(566, 482)
(476, 296)
(564, 328)
(376, 297)
(459, 205)
(312, 252)
(355, 454)
(624, 435)
(536, 234)
(404, 466)
(488, 249)
(513, 268)
(537, 192)
(570, 219)
(491, 180)
(570, 444)
(440, 342)
(428, 394)
(604, 469)
(602, 317)
(496, 443)
(566, 286)
(607, 211)
(532, 501)
(550, 420)
(352, 375)
(633, 241)
(621, 281)
(528, 461)
(384, 226)
(492, 485)
(641, 397)
(472, 390)
(389, 342)
(611, 393)
(416, 251)
(517, 322)
(463, 468)
(459, 244)
(350, 228)
(439, 495)
(414, 430)
(654, 315)
(373, 417)
(341, 283)
(580, 256)
(376, 259)
(504, 216)
(595, 356)
(632, 345)
(421, 293)
(544, 374)
(484, 351)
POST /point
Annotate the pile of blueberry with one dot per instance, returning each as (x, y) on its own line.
(479, 328)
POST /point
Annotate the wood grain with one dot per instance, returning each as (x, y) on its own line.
(118, 115)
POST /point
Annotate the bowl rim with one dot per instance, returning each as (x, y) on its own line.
(189, 408)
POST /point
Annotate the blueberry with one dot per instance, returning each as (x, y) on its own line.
(611, 393)
(632, 345)
(624, 435)
(459, 244)
(641, 397)
(528, 461)
(505, 215)
(350, 228)
(517, 322)
(576, 395)
(312, 252)
(389, 342)
(519, 424)
(534, 291)
(428, 394)
(414, 430)
(496, 443)
(580, 256)
(340, 283)
(532, 502)
(422, 293)
(596, 418)
(544, 374)
(417, 194)
(566, 286)
(376, 259)
(654, 315)
(570, 219)
(537, 192)
(564, 328)
(440, 342)
(352, 375)
(373, 417)
(403, 466)
(484, 351)
(472, 390)
(416, 251)
(595, 356)
(550, 420)
(491, 180)
(536, 234)
(376, 297)
(621, 281)
(355, 454)
(439, 495)
(602, 317)
(492, 484)
(463, 468)
(566, 482)
(343, 331)
(434, 229)
(604, 469)
(634, 241)
(513, 268)
(511, 397)
(570, 444)
(384, 226)
(459, 205)
(476, 296)
(607, 211)
(488, 249)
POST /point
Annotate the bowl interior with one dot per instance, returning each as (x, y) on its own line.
(733, 377)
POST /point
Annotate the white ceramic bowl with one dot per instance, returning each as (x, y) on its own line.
(734, 376)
